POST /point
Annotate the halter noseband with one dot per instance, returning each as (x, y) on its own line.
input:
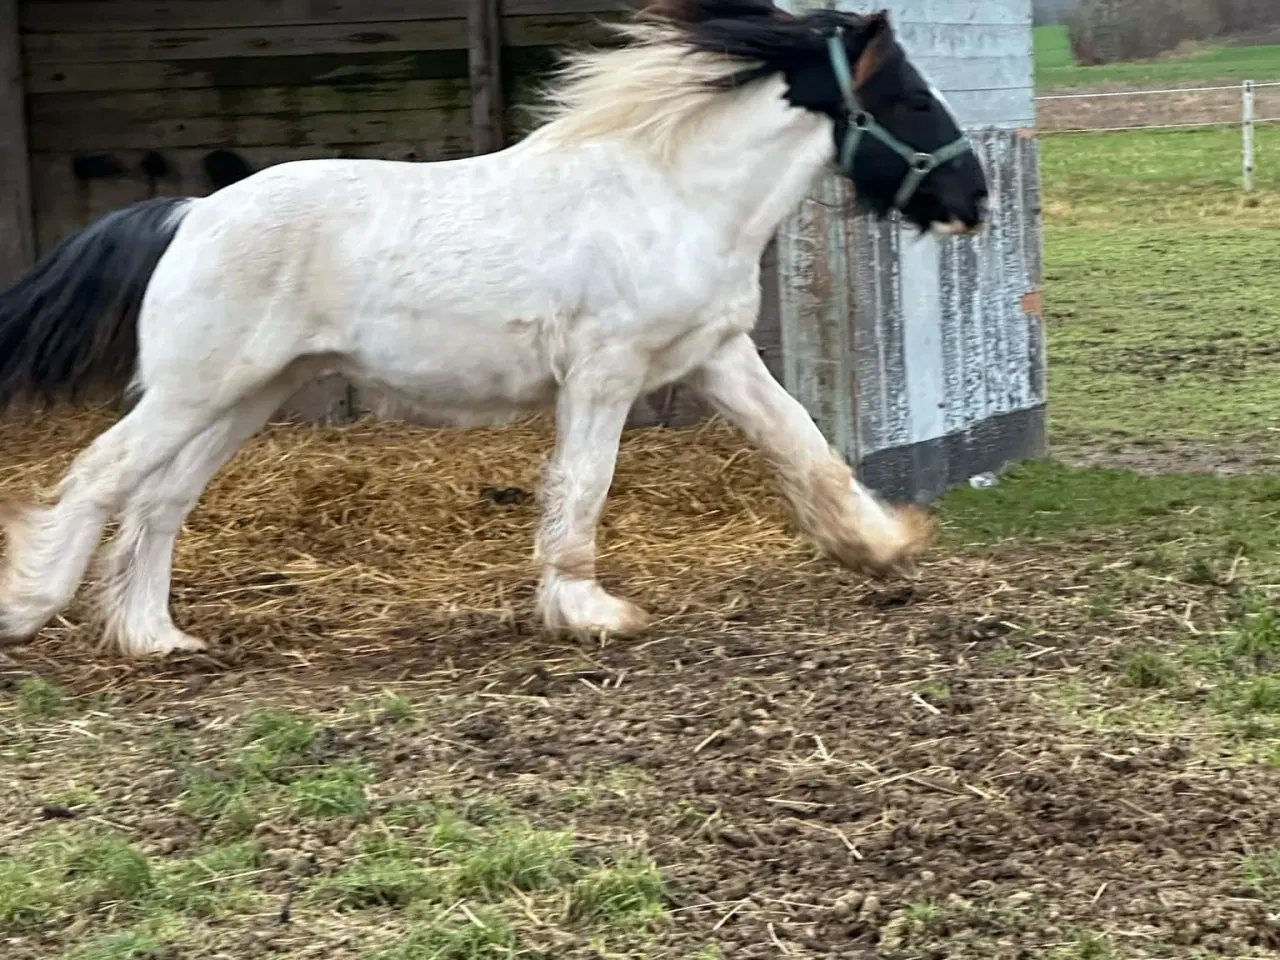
(919, 165)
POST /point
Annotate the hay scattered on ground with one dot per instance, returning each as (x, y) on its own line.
(348, 532)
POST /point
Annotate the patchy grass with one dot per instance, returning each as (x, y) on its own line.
(620, 896)
(1262, 873)
(1198, 524)
(1056, 68)
(1162, 290)
(38, 698)
(474, 935)
(1179, 594)
(1088, 946)
(275, 806)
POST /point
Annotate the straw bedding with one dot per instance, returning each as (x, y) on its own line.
(345, 533)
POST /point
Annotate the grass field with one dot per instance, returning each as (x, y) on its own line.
(1164, 288)
(1056, 69)
(1060, 744)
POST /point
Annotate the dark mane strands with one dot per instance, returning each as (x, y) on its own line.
(761, 31)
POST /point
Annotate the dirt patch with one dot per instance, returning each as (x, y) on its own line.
(832, 771)
(1265, 37)
(1090, 110)
(1230, 356)
(1176, 456)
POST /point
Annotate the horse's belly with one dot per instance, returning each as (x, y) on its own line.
(490, 377)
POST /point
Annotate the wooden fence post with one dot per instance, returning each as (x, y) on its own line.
(17, 233)
(484, 36)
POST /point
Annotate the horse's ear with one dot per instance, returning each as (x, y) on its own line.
(878, 45)
(878, 23)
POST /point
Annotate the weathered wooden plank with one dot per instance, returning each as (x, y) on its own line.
(953, 275)
(1033, 253)
(264, 130)
(866, 345)
(133, 46)
(879, 356)
(134, 107)
(941, 39)
(17, 237)
(484, 58)
(233, 73)
(768, 331)
(893, 354)
(815, 306)
(298, 40)
(973, 14)
(61, 203)
(92, 16)
(1011, 277)
(922, 337)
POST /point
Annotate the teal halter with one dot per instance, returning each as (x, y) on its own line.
(919, 165)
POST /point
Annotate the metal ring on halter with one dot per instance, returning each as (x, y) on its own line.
(923, 162)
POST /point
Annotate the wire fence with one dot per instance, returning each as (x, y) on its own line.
(1230, 105)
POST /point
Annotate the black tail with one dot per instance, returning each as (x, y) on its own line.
(70, 326)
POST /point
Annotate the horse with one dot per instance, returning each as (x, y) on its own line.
(612, 251)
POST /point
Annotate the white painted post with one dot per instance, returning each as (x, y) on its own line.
(1247, 131)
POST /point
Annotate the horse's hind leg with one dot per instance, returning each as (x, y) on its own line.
(49, 548)
(136, 568)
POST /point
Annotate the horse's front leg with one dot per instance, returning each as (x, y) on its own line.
(842, 517)
(591, 410)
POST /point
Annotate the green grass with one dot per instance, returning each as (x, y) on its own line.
(38, 698)
(1162, 287)
(1262, 872)
(1056, 67)
(1144, 542)
(284, 805)
(476, 935)
(1194, 517)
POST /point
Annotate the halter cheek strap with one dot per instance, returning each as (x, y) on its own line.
(861, 123)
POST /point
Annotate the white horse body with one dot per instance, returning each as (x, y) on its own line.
(471, 286)
(613, 251)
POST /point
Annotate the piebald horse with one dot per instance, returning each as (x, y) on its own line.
(614, 250)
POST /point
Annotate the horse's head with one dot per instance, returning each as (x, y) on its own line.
(895, 137)
(893, 134)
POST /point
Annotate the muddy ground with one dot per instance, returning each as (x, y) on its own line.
(819, 766)
(817, 769)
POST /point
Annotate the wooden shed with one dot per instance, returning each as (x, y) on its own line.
(922, 361)
(107, 102)
(125, 99)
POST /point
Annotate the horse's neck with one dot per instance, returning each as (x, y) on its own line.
(752, 161)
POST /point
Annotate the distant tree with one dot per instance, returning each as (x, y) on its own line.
(1106, 31)
(1052, 12)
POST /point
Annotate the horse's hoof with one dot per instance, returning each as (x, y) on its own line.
(584, 608)
(163, 644)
